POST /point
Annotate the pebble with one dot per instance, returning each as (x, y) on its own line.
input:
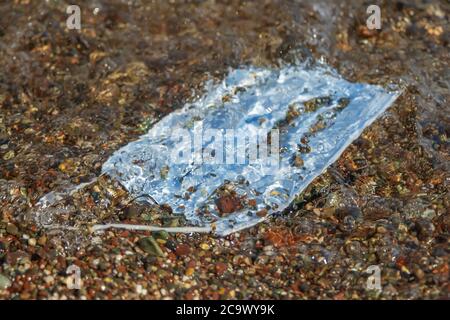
(132, 211)
(381, 230)
(42, 240)
(9, 155)
(425, 228)
(221, 268)
(190, 272)
(228, 204)
(163, 235)
(171, 245)
(49, 279)
(419, 273)
(4, 282)
(150, 246)
(182, 250)
(12, 229)
(262, 213)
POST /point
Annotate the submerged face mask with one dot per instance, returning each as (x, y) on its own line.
(249, 145)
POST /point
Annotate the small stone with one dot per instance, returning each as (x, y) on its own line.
(171, 245)
(132, 211)
(182, 250)
(173, 223)
(381, 230)
(297, 161)
(42, 241)
(425, 229)
(96, 56)
(204, 246)
(150, 246)
(4, 282)
(32, 242)
(419, 273)
(49, 279)
(262, 213)
(163, 235)
(68, 166)
(12, 229)
(161, 241)
(228, 204)
(9, 155)
(221, 268)
(190, 272)
(164, 172)
(328, 212)
(343, 103)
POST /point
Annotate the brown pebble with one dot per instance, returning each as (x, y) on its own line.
(42, 240)
(221, 268)
(328, 212)
(228, 204)
(189, 272)
(419, 273)
(182, 250)
(132, 211)
(381, 229)
(12, 229)
(262, 213)
(297, 161)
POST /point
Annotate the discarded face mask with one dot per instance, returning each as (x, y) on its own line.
(249, 145)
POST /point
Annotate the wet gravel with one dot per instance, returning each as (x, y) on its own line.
(69, 99)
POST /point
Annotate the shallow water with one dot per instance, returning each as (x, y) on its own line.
(69, 100)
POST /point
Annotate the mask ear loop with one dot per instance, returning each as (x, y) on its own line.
(137, 227)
